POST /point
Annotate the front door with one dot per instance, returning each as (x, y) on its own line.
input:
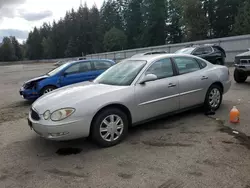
(76, 73)
(160, 96)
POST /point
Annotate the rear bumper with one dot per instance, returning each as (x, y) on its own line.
(227, 85)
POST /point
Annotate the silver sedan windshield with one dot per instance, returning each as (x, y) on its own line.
(121, 74)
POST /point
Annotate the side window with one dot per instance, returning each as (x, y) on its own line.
(186, 65)
(73, 69)
(102, 65)
(85, 67)
(202, 63)
(199, 51)
(208, 50)
(162, 69)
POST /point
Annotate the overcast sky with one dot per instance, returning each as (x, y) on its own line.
(18, 17)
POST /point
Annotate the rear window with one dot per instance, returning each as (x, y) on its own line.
(102, 65)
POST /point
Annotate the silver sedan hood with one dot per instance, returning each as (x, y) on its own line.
(71, 95)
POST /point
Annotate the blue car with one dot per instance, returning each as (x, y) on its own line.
(66, 74)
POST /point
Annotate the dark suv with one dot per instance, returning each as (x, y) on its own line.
(212, 53)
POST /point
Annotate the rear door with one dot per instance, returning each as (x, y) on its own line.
(100, 66)
(77, 73)
(190, 81)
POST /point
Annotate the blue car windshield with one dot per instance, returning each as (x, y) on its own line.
(57, 70)
(121, 74)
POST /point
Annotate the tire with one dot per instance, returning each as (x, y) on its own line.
(213, 102)
(47, 89)
(108, 130)
(239, 76)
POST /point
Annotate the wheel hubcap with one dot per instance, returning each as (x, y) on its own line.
(111, 128)
(214, 98)
(48, 90)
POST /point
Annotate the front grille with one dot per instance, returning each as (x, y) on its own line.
(244, 61)
(34, 115)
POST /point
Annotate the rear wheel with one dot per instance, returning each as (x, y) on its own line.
(213, 98)
(239, 76)
(47, 89)
(109, 127)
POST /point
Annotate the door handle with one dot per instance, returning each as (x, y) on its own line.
(204, 78)
(171, 85)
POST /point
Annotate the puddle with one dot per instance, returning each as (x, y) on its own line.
(68, 151)
(241, 137)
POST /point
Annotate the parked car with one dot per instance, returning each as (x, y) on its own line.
(61, 62)
(150, 53)
(66, 74)
(129, 93)
(242, 67)
(212, 53)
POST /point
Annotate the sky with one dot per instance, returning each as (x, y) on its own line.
(18, 17)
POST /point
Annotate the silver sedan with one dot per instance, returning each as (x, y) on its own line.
(131, 92)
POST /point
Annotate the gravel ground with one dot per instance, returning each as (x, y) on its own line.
(187, 150)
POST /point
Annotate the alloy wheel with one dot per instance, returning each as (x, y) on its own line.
(111, 128)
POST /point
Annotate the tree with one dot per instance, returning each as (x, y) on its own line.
(34, 45)
(96, 35)
(225, 13)
(114, 40)
(133, 23)
(110, 16)
(242, 21)
(209, 8)
(154, 22)
(194, 20)
(17, 49)
(72, 48)
(173, 19)
(7, 51)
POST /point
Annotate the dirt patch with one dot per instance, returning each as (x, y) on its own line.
(66, 173)
(197, 174)
(68, 151)
(125, 175)
(172, 183)
(165, 144)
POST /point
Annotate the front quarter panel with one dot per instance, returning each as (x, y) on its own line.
(54, 81)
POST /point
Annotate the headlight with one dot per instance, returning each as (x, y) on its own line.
(46, 115)
(61, 114)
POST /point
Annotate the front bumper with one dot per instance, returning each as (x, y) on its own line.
(61, 130)
(243, 67)
(29, 94)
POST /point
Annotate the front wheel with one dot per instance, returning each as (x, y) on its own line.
(109, 127)
(47, 89)
(213, 98)
(239, 76)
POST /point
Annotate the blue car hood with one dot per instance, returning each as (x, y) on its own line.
(37, 79)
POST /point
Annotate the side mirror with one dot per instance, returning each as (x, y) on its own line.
(64, 74)
(148, 78)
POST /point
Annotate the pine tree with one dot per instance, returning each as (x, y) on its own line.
(242, 21)
(133, 23)
(7, 51)
(154, 22)
(17, 49)
(194, 20)
(114, 40)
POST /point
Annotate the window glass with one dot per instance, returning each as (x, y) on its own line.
(199, 51)
(208, 50)
(102, 65)
(85, 67)
(162, 69)
(186, 65)
(202, 63)
(73, 69)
